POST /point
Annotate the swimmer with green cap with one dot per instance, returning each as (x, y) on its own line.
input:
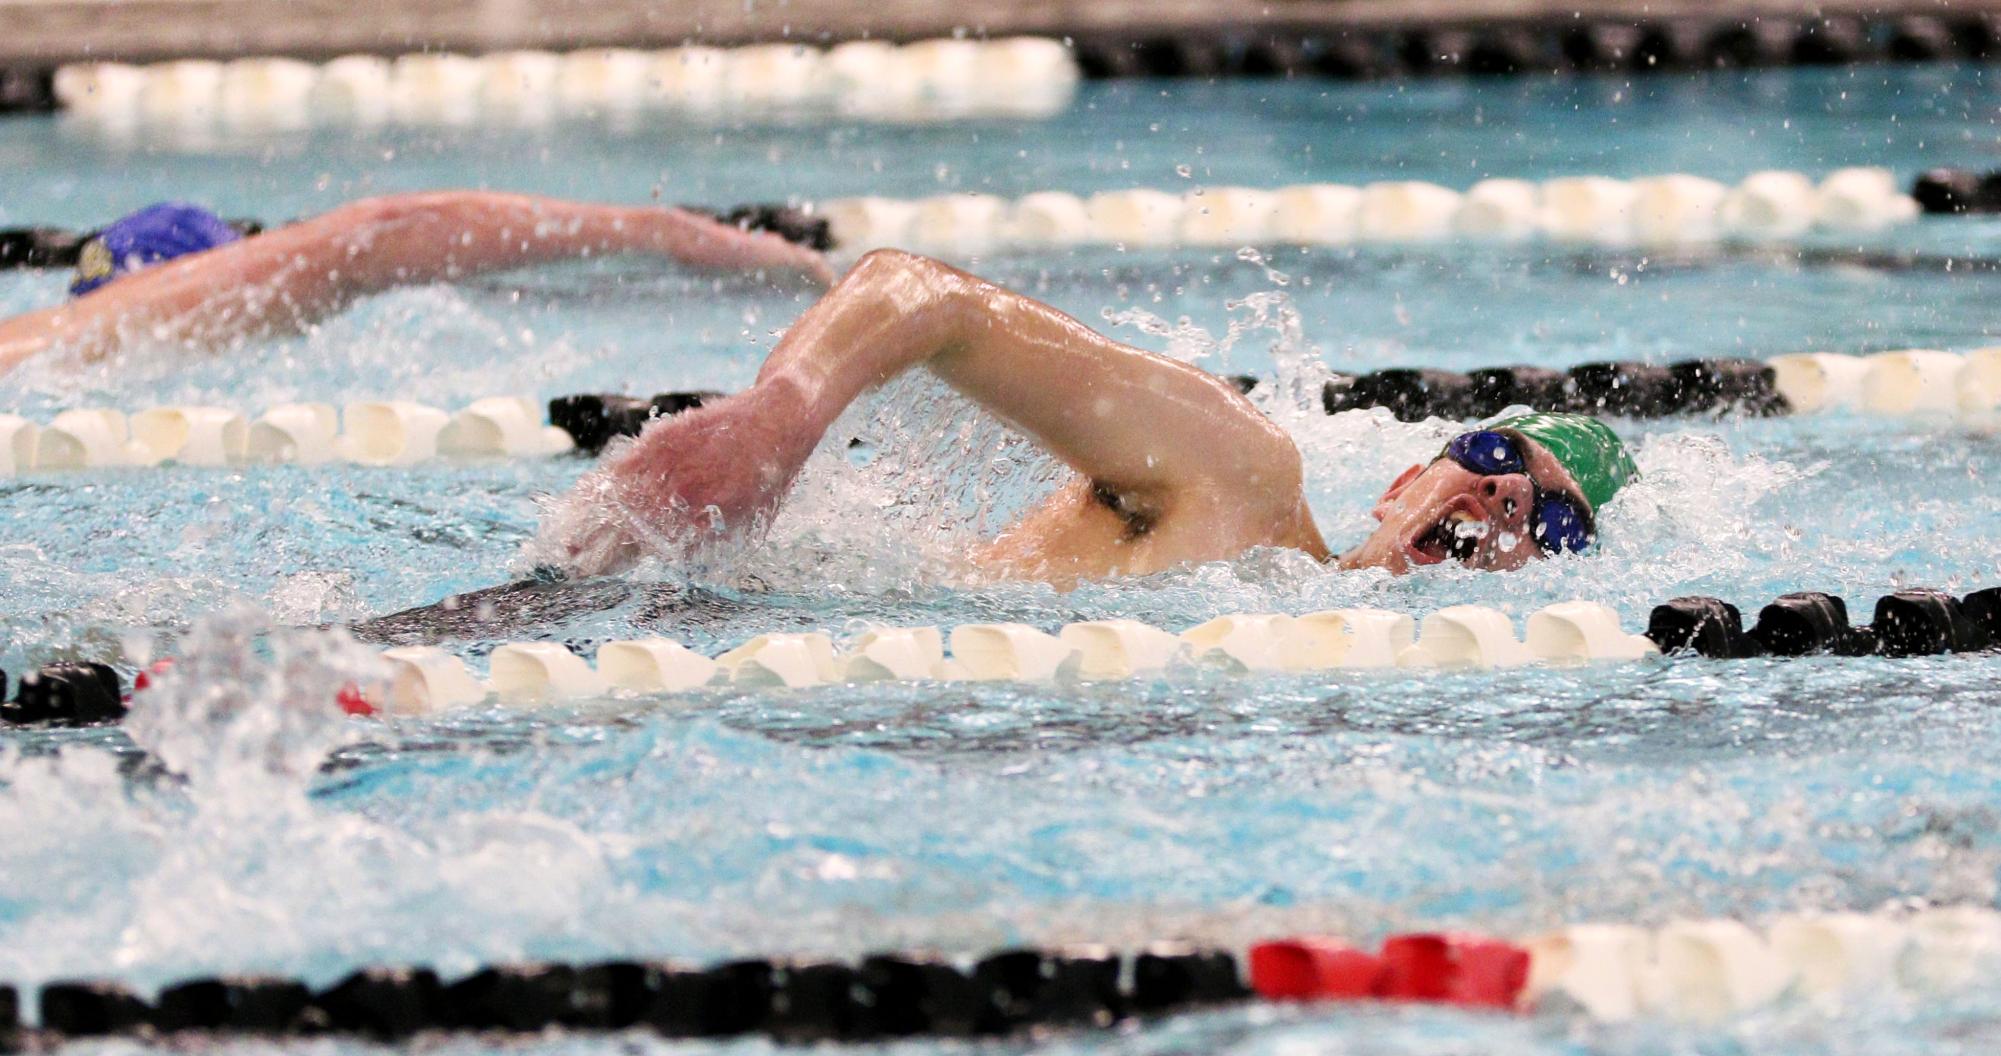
(1173, 465)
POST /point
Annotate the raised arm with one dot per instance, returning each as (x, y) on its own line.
(291, 276)
(1148, 428)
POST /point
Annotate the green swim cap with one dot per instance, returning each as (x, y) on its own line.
(1592, 453)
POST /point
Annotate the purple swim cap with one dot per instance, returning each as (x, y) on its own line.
(151, 235)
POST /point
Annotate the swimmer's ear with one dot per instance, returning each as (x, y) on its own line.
(1397, 485)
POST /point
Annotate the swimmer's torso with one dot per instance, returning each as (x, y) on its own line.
(1086, 531)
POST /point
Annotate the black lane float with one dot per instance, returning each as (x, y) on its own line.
(886, 995)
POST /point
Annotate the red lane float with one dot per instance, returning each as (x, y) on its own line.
(1466, 970)
(353, 701)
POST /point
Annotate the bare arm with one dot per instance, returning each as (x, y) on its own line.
(1144, 426)
(296, 274)
(1123, 417)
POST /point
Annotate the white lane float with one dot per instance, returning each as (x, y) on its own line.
(1596, 967)
(789, 660)
(521, 85)
(1139, 217)
(191, 436)
(766, 76)
(984, 652)
(1347, 638)
(1588, 209)
(689, 79)
(1406, 211)
(1861, 199)
(435, 89)
(1467, 636)
(1677, 209)
(1775, 204)
(884, 654)
(426, 680)
(302, 433)
(877, 81)
(1582, 631)
(962, 224)
(856, 66)
(103, 91)
(258, 93)
(1227, 217)
(654, 665)
(88, 438)
(1709, 970)
(1813, 382)
(535, 673)
(1026, 77)
(1500, 210)
(1839, 957)
(945, 71)
(390, 432)
(1048, 218)
(1241, 642)
(861, 224)
(1950, 949)
(1980, 382)
(1911, 382)
(501, 427)
(183, 92)
(1110, 649)
(17, 444)
(603, 80)
(354, 89)
(1316, 214)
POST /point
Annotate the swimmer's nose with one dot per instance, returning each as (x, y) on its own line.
(1507, 500)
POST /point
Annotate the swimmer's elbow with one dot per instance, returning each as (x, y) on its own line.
(879, 261)
(391, 209)
(886, 267)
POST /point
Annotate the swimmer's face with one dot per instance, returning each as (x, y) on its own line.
(1445, 512)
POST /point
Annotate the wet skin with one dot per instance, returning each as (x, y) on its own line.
(1173, 465)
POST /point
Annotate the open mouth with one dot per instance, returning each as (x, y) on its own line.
(1455, 536)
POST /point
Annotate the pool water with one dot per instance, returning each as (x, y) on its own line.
(957, 817)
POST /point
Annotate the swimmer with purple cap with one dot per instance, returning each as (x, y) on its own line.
(178, 274)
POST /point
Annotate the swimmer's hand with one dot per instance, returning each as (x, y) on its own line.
(697, 479)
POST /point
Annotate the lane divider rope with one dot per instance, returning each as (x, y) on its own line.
(1540, 45)
(1913, 383)
(428, 680)
(1691, 970)
(369, 432)
(1663, 211)
(1017, 77)
(1907, 383)
(1675, 209)
(1342, 51)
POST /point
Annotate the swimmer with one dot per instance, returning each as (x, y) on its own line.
(1173, 464)
(178, 274)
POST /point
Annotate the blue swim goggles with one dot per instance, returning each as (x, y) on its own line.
(1557, 522)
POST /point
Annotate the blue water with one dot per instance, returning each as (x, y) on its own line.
(962, 818)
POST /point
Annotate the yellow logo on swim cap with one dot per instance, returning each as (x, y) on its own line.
(94, 261)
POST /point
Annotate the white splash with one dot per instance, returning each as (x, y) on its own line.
(248, 706)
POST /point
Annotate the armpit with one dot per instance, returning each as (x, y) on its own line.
(1139, 517)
